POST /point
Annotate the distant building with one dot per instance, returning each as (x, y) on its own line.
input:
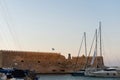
(43, 62)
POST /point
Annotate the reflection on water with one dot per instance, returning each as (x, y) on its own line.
(70, 77)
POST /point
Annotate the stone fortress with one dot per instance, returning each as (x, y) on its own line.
(45, 62)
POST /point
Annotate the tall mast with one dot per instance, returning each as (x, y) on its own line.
(96, 42)
(100, 39)
(96, 49)
(85, 44)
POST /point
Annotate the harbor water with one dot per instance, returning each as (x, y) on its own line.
(70, 77)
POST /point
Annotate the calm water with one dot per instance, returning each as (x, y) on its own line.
(69, 77)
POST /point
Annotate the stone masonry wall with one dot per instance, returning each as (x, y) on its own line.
(42, 62)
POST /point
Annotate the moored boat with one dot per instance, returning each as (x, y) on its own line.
(101, 71)
(108, 72)
(78, 73)
(12, 74)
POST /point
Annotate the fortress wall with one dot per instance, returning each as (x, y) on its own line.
(1, 59)
(42, 62)
(81, 62)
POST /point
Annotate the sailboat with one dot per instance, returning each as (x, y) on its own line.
(80, 72)
(103, 71)
(89, 70)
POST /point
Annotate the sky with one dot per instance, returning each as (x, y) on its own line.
(40, 25)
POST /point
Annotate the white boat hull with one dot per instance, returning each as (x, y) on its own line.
(102, 73)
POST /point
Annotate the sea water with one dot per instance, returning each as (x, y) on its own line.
(70, 77)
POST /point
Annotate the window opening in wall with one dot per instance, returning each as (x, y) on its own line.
(22, 60)
(38, 61)
(62, 70)
(54, 70)
(59, 63)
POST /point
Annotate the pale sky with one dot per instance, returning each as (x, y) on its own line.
(40, 25)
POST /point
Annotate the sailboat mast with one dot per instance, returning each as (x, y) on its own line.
(85, 44)
(96, 49)
(100, 39)
(96, 42)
